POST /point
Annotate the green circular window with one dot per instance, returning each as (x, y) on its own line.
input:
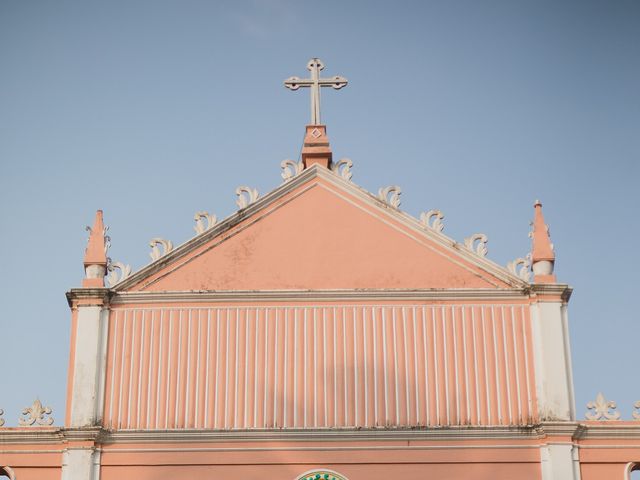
(321, 475)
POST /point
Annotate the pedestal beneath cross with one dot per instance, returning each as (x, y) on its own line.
(316, 148)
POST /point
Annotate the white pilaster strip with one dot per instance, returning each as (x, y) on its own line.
(427, 387)
(216, 389)
(188, 373)
(179, 361)
(375, 366)
(395, 364)
(455, 363)
(206, 371)
(506, 365)
(366, 369)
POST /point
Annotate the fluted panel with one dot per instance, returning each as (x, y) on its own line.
(319, 367)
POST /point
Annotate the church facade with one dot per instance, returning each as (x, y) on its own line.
(320, 332)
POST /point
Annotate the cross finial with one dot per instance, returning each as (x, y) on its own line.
(315, 65)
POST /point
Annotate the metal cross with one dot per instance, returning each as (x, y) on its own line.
(314, 83)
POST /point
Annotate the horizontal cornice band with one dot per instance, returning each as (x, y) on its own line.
(319, 295)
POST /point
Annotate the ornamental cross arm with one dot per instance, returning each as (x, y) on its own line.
(314, 84)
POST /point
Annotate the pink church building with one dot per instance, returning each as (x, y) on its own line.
(322, 333)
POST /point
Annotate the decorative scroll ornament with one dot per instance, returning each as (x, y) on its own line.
(167, 246)
(200, 217)
(521, 268)
(36, 414)
(1, 419)
(636, 415)
(246, 196)
(114, 277)
(601, 409)
(343, 168)
(390, 195)
(433, 220)
(290, 169)
(477, 243)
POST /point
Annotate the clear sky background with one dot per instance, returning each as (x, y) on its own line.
(153, 110)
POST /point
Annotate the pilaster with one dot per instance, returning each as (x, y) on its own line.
(554, 378)
(81, 463)
(559, 454)
(88, 356)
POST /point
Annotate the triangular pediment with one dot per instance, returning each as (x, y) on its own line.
(319, 232)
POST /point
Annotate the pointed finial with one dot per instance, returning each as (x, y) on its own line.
(95, 256)
(542, 256)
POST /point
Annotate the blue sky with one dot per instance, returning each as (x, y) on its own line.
(153, 110)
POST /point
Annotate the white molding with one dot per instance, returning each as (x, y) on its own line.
(546, 430)
(121, 298)
(321, 435)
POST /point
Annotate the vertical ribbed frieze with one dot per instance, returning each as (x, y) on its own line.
(319, 367)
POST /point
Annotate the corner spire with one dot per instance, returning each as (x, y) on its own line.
(542, 255)
(95, 256)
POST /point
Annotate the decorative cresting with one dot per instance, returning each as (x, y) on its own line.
(1, 419)
(36, 414)
(477, 243)
(290, 169)
(343, 168)
(433, 220)
(200, 217)
(314, 83)
(246, 196)
(390, 195)
(520, 267)
(636, 415)
(118, 271)
(601, 408)
(321, 475)
(167, 246)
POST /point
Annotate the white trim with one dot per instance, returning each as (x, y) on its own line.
(206, 372)
(367, 294)
(395, 366)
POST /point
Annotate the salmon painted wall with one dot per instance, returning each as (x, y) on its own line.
(342, 365)
(322, 236)
(373, 459)
(450, 471)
